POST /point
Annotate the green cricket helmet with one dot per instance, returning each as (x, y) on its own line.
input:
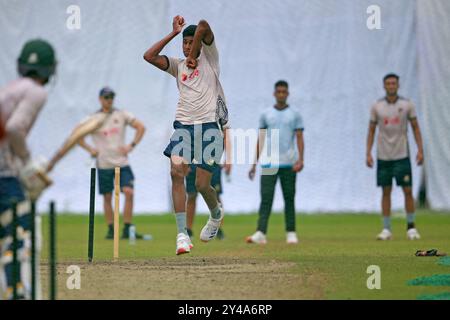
(37, 58)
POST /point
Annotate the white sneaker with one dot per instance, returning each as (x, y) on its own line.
(211, 228)
(291, 238)
(258, 237)
(183, 244)
(413, 234)
(385, 235)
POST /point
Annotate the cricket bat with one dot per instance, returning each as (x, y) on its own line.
(78, 133)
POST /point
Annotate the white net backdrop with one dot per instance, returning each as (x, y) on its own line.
(333, 62)
(434, 76)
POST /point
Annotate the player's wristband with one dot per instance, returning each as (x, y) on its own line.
(133, 144)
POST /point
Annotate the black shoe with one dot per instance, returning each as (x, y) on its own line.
(189, 232)
(126, 233)
(110, 234)
(220, 234)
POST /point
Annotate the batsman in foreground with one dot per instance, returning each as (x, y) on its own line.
(20, 104)
(392, 114)
(200, 118)
(111, 151)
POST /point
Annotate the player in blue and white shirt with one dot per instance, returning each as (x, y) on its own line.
(283, 131)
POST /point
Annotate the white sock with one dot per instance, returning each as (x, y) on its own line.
(181, 222)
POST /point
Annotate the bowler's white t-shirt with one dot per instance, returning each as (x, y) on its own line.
(200, 89)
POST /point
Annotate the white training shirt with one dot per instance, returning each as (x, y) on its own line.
(200, 89)
(110, 137)
(20, 104)
(392, 120)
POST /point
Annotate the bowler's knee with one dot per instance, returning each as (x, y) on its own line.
(202, 186)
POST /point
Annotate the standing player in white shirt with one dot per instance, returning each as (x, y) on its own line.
(392, 114)
(111, 151)
(200, 117)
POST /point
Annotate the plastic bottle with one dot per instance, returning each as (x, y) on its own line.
(132, 237)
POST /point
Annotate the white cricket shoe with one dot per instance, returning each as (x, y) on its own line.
(385, 235)
(413, 234)
(211, 228)
(291, 238)
(183, 244)
(258, 237)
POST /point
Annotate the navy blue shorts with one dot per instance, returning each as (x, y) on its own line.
(200, 145)
(11, 191)
(106, 179)
(216, 180)
(400, 170)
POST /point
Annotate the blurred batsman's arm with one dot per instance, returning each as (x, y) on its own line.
(81, 131)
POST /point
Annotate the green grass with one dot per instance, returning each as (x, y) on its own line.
(338, 248)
